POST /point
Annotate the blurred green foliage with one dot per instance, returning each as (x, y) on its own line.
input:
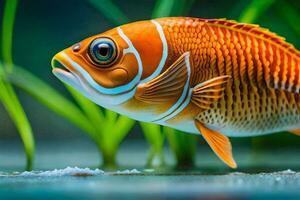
(8, 96)
(99, 123)
(254, 10)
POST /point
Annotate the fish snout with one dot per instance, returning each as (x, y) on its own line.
(59, 62)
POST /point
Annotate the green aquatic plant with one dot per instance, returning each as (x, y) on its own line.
(106, 136)
(183, 145)
(8, 96)
(97, 123)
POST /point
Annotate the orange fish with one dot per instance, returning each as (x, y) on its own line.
(213, 77)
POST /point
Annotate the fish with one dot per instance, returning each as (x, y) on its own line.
(212, 77)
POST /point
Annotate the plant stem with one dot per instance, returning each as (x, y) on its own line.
(7, 31)
(184, 147)
(108, 152)
(17, 114)
(33, 86)
(155, 137)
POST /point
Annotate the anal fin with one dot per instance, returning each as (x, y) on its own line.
(219, 143)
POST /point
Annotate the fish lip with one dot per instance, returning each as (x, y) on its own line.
(61, 70)
(62, 66)
(64, 72)
(57, 63)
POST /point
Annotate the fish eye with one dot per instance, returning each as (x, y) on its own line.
(103, 51)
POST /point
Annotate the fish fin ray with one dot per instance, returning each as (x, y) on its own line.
(161, 88)
(219, 143)
(210, 91)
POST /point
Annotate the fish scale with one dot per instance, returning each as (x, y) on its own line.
(263, 94)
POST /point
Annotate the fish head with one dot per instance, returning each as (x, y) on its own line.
(102, 67)
(108, 67)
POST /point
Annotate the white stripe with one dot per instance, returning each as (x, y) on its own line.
(164, 56)
(177, 105)
(182, 106)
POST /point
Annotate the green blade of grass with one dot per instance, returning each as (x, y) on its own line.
(91, 110)
(163, 8)
(153, 134)
(111, 116)
(113, 135)
(124, 125)
(7, 31)
(110, 11)
(183, 145)
(7, 93)
(50, 98)
(155, 138)
(254, 10)
(17, 114)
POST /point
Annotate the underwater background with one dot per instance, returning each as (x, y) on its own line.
(67, 141)
(42, 28)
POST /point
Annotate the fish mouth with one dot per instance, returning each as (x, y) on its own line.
(58, 64)
(64, 72)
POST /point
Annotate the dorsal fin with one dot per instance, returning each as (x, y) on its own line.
(256, 30)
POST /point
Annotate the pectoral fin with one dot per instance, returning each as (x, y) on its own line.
(219, 143)
(166, 86)
(295, 131)
(206, 93)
